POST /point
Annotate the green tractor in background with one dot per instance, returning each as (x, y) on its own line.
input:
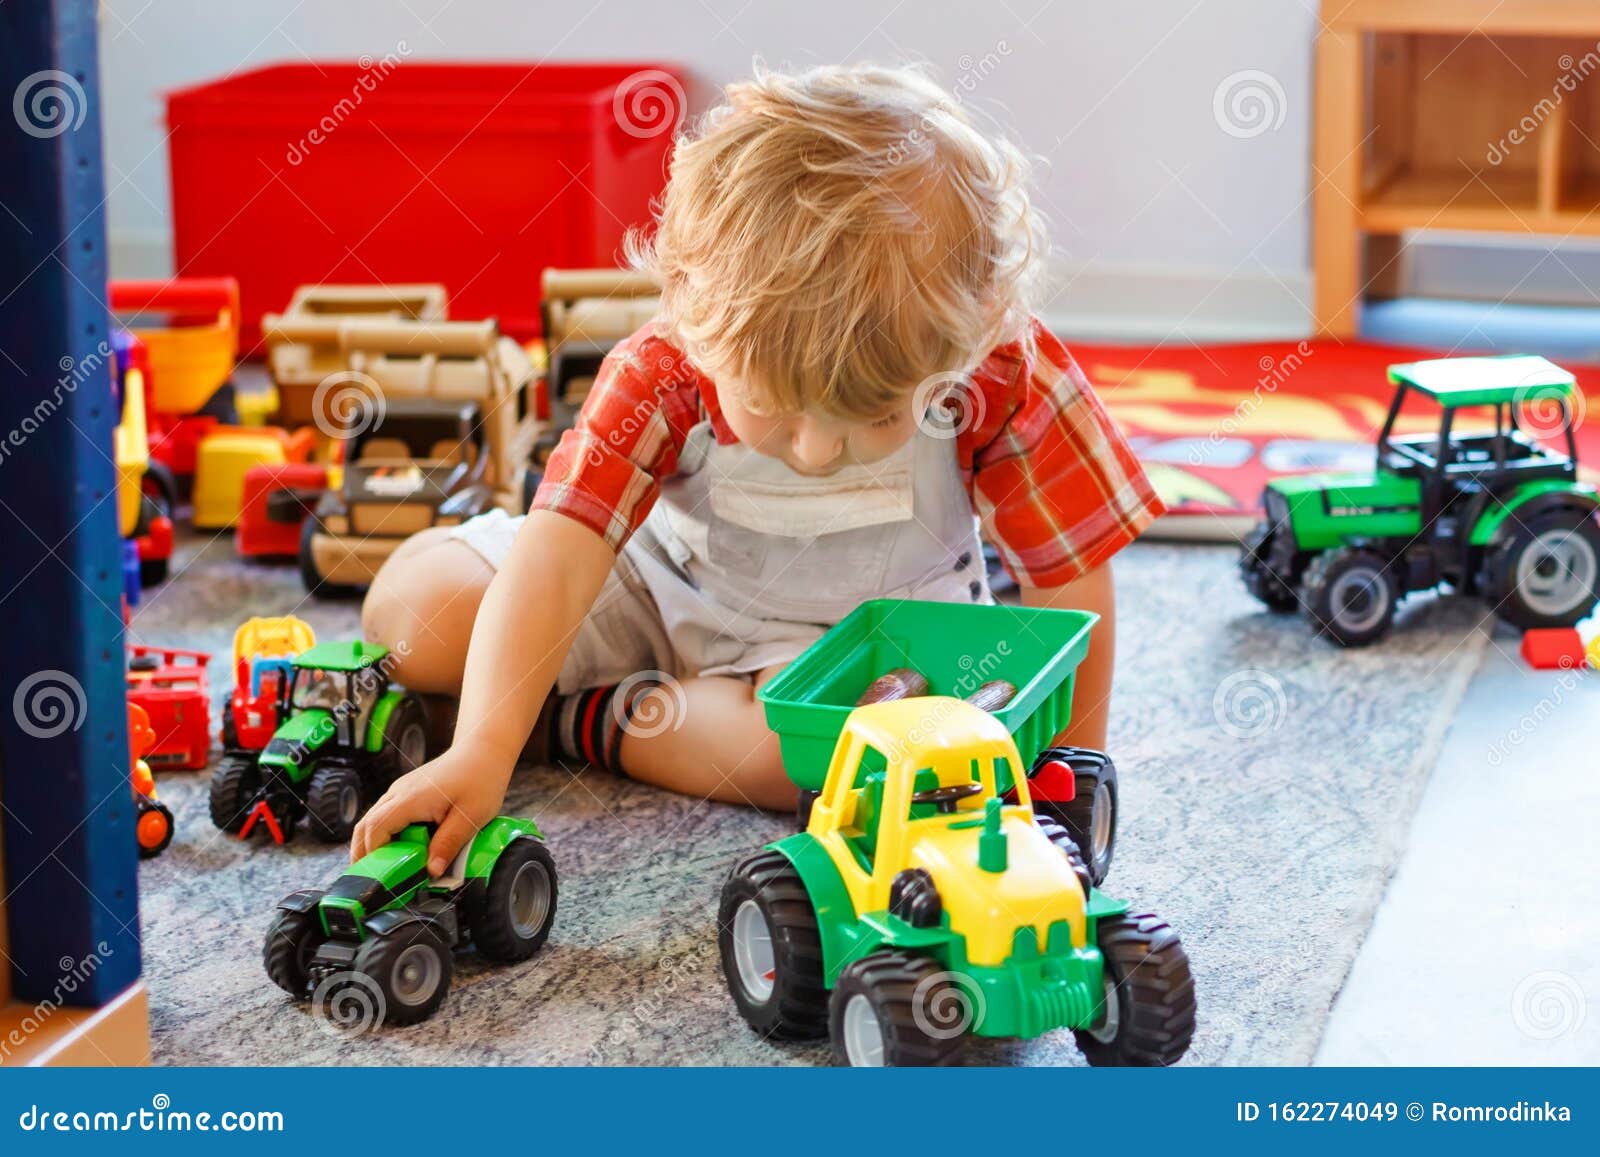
(376, 947)
(1492, 512)
(347, 733)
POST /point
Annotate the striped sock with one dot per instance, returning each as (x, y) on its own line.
(589, 724)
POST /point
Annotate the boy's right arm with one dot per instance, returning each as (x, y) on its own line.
(527, 621)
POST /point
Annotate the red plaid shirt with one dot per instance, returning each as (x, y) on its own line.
(1052, 481)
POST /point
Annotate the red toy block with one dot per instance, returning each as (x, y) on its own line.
(272, 528)
(1553, 649)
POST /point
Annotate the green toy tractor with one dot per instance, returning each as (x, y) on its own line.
(376, 948)
(347, 733)
(1491, 512)
(919, 907)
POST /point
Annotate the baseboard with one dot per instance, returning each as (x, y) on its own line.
(1153, 304)
(1113, 303)
(1490, 267)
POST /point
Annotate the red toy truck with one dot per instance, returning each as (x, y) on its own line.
(170, 686)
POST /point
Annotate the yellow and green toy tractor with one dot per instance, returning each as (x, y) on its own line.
(919, 907)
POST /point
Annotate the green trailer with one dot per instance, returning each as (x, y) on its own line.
(958, 647)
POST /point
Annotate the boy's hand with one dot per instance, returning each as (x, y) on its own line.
(459, 791)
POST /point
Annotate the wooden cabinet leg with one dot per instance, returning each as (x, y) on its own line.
(1336, 171)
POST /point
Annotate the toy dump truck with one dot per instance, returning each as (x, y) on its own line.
(345, 733)
(1492, 511)
(304, 345)
(957, 647)
(586, 312)
(919, 907)
(442, 428)
(387, 931)
(263, 664)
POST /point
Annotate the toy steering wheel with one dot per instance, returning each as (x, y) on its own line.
(945, 798)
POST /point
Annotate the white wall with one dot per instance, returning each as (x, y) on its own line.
(1157, 210)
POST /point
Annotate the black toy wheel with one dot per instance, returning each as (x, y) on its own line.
(153, 824)
(914, 897)
(898, 1009)
(1149, 994)
(411, 967)
(405, 738)
(771, 949)
(1090, 817)
(520, 903)
(151, 570)
(1349, 596)
(311, 576)
(1068, 847)
(1274, 590)
(292, 940)
(334, 802)
(1545, 573)
(233, 790)
(803, 806)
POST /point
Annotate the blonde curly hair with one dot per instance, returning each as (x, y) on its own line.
(835, 237)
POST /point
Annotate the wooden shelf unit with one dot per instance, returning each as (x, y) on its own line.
(1449, 114)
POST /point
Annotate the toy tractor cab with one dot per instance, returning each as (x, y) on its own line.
(918, 906)
(385, 927)
(421, 464)
(345, 734)
(1488, 511)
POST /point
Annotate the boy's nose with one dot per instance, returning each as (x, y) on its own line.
(815, 446)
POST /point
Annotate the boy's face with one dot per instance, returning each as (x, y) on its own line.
(814, 443)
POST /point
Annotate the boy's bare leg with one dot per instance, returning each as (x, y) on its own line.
(422, 606)
(721, 750)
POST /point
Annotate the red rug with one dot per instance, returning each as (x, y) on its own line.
(1213, 423)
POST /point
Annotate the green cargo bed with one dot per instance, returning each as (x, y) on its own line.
(957, 646)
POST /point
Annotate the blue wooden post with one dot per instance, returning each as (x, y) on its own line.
(70, 855)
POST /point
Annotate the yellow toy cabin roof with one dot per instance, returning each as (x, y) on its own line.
(927, 729)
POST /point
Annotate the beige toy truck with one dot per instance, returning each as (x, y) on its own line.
(438, 425)
(303, 345)
(586, 312)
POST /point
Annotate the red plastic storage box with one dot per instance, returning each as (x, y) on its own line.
(474, 175)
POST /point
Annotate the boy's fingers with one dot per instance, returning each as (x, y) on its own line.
(373, 831)
(451, 837)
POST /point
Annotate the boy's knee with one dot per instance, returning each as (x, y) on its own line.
(422, 604)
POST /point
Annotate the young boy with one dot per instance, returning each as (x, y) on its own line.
(844, 371)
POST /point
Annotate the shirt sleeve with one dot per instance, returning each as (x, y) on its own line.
(1053, 481)
(606, 472)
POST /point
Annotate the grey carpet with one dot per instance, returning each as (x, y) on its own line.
(1268, 781)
